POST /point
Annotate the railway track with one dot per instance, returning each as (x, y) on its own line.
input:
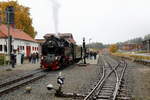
(109, 85)
(12, 84)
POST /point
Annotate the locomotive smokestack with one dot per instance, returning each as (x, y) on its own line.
(55, 7)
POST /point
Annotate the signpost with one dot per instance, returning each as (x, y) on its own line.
(10, 21)
(84, 50)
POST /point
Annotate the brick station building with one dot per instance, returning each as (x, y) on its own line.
(21, 41)
(132, 46)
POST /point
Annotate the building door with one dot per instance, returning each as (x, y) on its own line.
(28, 51)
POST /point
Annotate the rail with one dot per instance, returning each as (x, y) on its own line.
(100, 84)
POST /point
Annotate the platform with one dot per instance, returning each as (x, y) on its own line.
(90, 60)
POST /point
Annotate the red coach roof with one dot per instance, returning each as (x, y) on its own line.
(15, 33)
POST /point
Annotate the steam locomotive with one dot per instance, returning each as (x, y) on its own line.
(59, 51)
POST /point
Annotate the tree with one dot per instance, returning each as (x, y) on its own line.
(146, 37)
(113, 48)
(22, 17)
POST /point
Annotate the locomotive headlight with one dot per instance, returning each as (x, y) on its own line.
(57, 58)
(42, 58)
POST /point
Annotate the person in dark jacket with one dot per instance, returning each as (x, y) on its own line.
(22, 58)
(13, 59)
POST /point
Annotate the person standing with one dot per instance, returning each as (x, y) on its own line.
(37, 57)
(22, 58)
(34, 58)
(13, 59)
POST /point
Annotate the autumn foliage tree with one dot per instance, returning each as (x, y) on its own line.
(113, 48)
(22, 17)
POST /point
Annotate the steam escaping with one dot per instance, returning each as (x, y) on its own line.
(55, 7)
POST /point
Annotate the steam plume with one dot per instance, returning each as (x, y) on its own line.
(56, 7)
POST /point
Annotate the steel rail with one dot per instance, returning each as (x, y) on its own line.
(119, 82)
(22, 77)
(100, 83)
(7, 86)
(94, 90)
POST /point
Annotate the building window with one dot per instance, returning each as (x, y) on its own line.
(5, 48)
(1, 48)
(22, 47)
(32, 48)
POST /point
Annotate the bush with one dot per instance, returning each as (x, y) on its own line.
(2, 59)
(140, 57)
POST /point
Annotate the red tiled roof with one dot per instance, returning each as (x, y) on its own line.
(15, 33)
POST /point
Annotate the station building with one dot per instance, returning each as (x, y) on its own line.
(21, 41)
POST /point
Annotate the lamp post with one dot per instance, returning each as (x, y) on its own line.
(84, 50)
(89, 43)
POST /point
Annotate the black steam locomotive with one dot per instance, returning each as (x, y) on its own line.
(59, 51)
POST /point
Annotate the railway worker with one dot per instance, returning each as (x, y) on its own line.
(13, 59)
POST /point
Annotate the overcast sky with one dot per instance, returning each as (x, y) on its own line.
(106, 21)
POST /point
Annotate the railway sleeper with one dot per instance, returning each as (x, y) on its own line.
(106, 93)
(108, 86)
(20, 83)
(109, 89)
(103, 97)
(122, 95)
(123, 98)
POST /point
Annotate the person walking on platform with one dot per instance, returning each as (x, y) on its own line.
(37, 57)
(22, 58)
(13, 59)
(29, 57)
(33, 58)
(95, 54)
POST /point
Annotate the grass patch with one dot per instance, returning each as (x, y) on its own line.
(131, 56)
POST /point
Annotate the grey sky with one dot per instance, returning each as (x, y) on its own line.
(106, 21)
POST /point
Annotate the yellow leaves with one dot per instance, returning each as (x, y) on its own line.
(22, 17)
(113, 48)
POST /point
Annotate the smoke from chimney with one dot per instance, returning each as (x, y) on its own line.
(55, 7)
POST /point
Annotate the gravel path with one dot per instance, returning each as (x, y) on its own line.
(139, 81)
(77, 80)
(18, 70)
